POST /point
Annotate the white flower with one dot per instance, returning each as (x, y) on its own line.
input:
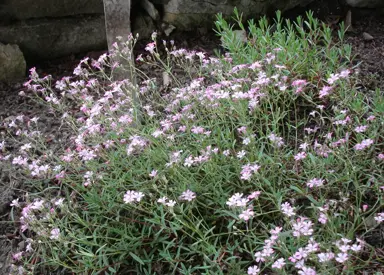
(237, 200)
(55, 234)
(133, 196)
(287, 209)
(162, 200)
(246, 214)
(279, 264)
(253, 270)
(379, 217)
(170, 203)
(341, 257)
(187, 195)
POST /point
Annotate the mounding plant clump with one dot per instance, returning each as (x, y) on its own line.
(267, 160)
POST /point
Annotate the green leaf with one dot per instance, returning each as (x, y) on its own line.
(136, 258)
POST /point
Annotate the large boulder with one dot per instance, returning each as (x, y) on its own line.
(187, 14)
(26, 9)
(366, 3)
(12, 63)
(51, 38)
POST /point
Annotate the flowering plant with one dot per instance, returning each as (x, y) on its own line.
(266, 159)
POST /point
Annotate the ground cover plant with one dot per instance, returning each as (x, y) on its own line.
(266, 160)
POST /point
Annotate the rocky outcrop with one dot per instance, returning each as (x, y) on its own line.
(371, 4)
(48, 29)
(187, 14)
(12, 63)
(27, 9)
(48, 38)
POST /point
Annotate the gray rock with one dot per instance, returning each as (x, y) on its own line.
(187, 14)
(366, 3)
(367, 36)
(51, 38)
(12, 64)
(26, 9)
(144, 26)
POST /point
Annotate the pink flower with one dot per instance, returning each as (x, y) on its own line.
(259, 257)
(162, 200)
(150, 47)
(323, 218)
(371, 118)
(341, 257)
(361, 129)
(170, 203)
(153, 174)
(17, 256)
(325, 257)
(133, 196)
(253, 270)
(306, 271)
(187, 195)
(366, 143)
(277, 141)
(237, 200)
(315, 183)
(279, 264)
(333, 78)
(242, 130)
(55, 234)
(300, 156)
(302, 226)
(246, 214)
(241, 154)
(324, 91)
(379, 218)
(299, 83)
(254, 195)
(287, 209)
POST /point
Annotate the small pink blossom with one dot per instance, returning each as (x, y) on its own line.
(153, 173)
(366, 143)
(150, 47)
(132, 196)
(324, 91)
(325, 257)
(279, 264)
(17, 256)
(247, 214)
(323, 218)
(277, 141)
(341, 257)
(302, 226)
(253, 270)
(187, 195)
(55, 234)
(287, 209)
(379, 218)
(361, 129)
(306, 271)
(241, 154)
(300, 156)
(170, 203)
(315, 183)
(371, 118)
(254, 195)
(237, 200)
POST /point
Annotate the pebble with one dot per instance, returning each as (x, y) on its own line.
(367, 36)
